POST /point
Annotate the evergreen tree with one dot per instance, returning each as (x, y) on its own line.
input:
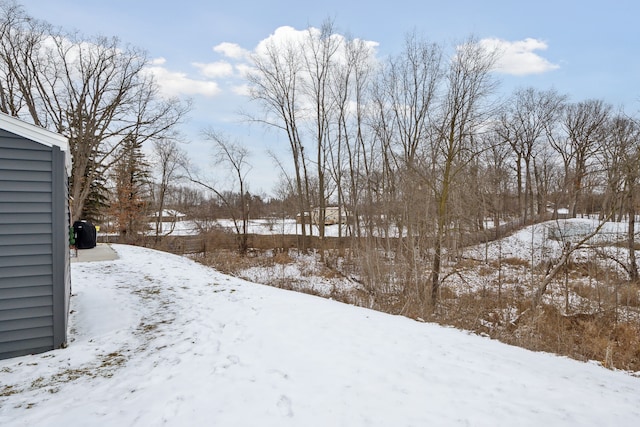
(131, 191)
(97, 204)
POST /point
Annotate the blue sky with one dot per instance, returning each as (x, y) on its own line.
(585, 49)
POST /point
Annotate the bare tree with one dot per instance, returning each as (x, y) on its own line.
(21, 39)
(351, 94)
(624, 139)
(529, 114)
(169, 158)
(610, 160)
(463, 112)
(95, 92)
(496, 177)
(403, 99)
(584, 126)
(547, 175)
(233, 155)
(320, 49)
(275, 85)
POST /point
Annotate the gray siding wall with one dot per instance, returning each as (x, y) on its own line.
(61, 262)
(34, 276)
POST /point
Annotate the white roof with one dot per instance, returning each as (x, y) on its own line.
(37, 134)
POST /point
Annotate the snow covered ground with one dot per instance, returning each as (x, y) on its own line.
(157, 339)
(541, 241)
(255, 226)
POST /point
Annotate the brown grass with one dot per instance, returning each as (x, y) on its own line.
(629, 295)
(581, 336)
(514, 262)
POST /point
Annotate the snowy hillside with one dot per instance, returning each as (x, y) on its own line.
(160, 340)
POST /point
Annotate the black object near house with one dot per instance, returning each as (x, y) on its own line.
(85, 233)
(35, 280)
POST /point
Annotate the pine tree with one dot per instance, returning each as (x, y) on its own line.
(97, 204)
(131, 193)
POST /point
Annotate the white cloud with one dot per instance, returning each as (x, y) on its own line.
(215, 70)
(173, 83)
(242, 90)
(231, 50)
(158, 61)
(288, 39)
(282, 36)
(237, 63)
(244, 69)
(519, 57)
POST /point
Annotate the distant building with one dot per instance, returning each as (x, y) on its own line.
(169, 215)
(332, 215)
(558, 213)
(307, 218)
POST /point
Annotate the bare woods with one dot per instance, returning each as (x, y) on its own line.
(421, 152)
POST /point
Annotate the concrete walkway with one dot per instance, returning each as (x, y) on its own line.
(102, 252)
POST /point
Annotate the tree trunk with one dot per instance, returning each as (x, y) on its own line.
(631, 243)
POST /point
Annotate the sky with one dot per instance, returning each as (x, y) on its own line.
(157, 339)
(584, 49)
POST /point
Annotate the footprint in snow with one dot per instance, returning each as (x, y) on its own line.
(285, 406)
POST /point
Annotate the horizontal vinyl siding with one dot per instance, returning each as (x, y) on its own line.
(24, 176)
(29, 266)
(26, 334)
(23, 249)
(21, 271)
(21, 196)
(14, 325)
(26, 281)
(25, 219)
(26, 346)
(16, 148)
(6, 229)
(30, 187)
(25, 207)
(27, 239)
(18, 314)
(19, 341)
(26, 278)
(22, 165)
(25, 302)
(25, 292)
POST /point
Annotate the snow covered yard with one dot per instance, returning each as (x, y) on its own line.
(158, 339)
